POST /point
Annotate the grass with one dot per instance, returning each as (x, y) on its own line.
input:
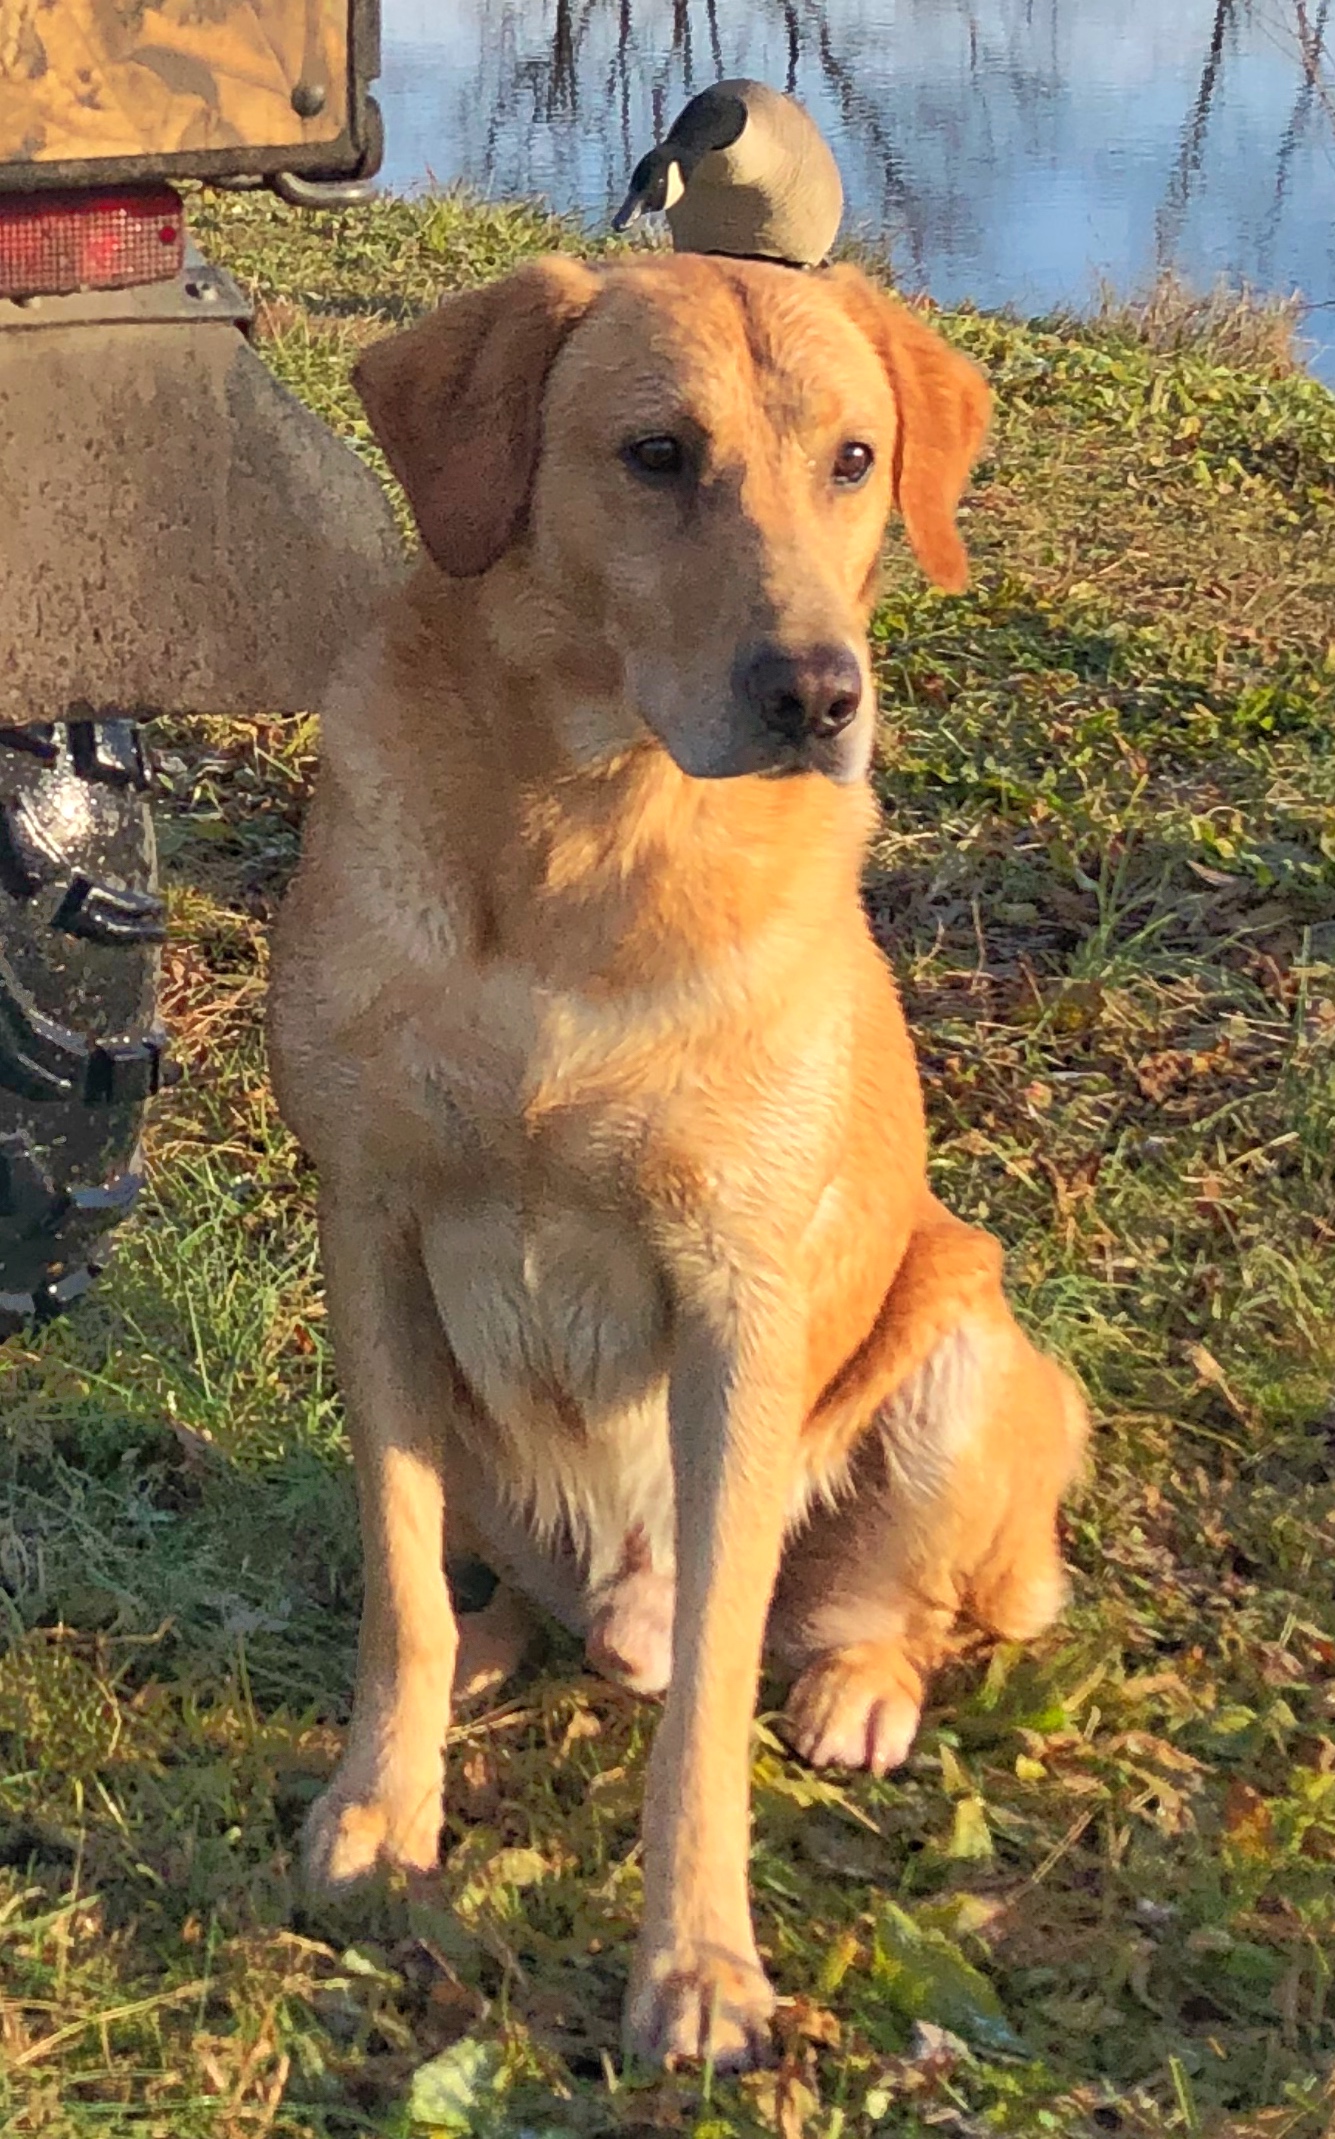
(1101, 1898)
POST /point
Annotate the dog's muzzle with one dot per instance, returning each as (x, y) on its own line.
(806, 705)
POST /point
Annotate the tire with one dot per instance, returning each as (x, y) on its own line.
(80, 1047)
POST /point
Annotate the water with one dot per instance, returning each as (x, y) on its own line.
(1013, 151)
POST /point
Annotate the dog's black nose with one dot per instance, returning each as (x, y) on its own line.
(815, 693)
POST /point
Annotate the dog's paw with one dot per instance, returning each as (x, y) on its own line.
(855, 1708)
(694, 2003)
(349, 1835)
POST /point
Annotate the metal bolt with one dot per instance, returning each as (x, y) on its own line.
(308, 99)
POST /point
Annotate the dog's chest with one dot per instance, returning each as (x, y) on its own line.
(558, 1318)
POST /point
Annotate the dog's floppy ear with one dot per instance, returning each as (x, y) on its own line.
(456, 402)
(944, 406)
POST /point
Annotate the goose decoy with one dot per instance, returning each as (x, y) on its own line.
(743, 170)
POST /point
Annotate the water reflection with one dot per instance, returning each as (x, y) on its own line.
(1011, 150)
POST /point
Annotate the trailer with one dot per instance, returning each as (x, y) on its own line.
(177, 533)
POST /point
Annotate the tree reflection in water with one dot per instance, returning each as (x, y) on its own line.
(1007, 149)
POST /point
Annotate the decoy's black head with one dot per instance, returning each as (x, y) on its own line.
(712, 120)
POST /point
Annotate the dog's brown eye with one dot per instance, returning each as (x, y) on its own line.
(853, 463)
(656, 456)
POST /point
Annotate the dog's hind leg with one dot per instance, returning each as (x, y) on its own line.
(383, 1806)
(492, 1644)
(950, 1506)
(868, 1594)
(495, 1631)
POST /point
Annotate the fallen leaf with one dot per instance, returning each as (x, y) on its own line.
(969, 1835)
(458, 2092)
(931, 2045)
(1212, 1374)
(802, 2020)
(925, 1977)
(784, 2099)
(959, 1915)
(1247, 1820)
(583, 1724)
(491, 1882)
(477, 1788)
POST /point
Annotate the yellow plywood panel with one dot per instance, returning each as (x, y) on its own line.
(102, 78)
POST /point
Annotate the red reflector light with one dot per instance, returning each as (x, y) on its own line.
(52, 243)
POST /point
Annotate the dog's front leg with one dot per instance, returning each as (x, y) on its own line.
(697, 1986)
(384, 1804)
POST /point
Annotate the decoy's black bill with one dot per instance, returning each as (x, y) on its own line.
(630, 211)
(651, 188)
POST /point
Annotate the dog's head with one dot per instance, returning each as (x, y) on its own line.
(692, 462)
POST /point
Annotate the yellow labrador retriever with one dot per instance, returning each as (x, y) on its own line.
(635, 1283)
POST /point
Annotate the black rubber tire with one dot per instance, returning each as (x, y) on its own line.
(80, 1047)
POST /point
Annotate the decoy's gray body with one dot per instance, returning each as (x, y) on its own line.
(743, 170)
